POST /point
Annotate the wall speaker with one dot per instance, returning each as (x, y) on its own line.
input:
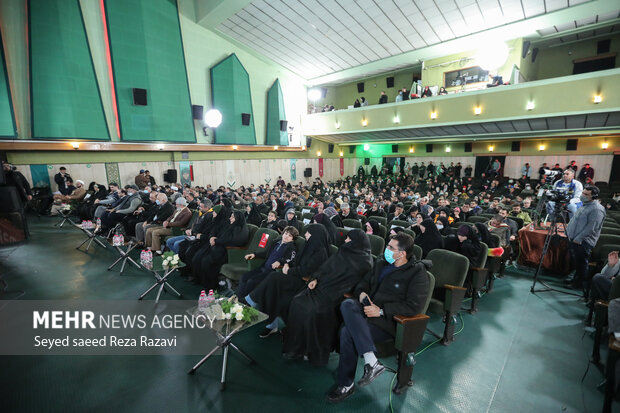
(429, 147)
(197, 112)
(571, 144)
(366, 161)
(389, 81)
(330, 148)
(516, 146)
(308, 142)
(468, 146)
(360, 87)
(323, 92)
(534, 54)
(283, 125)
(526, 47)
(352, 149)
(394, 148)
(170, 176)
(602, 46)
(245, 119)
(139, 96)
(308, 173)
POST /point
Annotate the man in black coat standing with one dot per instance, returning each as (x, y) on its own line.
(397, 285)
(61, 179)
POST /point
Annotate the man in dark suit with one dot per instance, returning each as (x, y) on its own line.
(61, 179)
(383, 98)
(397, 285)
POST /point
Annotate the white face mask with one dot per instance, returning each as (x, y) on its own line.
(440, 226)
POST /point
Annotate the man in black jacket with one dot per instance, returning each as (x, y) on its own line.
(397, 285)
(156, 216)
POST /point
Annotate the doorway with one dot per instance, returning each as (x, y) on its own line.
(484, 162)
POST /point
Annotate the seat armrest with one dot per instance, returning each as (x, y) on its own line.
(478, 277)
(237, 248)
(454, 298)
(410, 332)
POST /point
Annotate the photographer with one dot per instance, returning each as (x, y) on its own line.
(583, 231)
(571, 188)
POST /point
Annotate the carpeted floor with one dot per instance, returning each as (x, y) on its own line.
(521, 352)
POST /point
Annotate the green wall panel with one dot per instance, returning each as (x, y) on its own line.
(65, 99)
(147, 53)
(275, 113)
(230, 90)
(7, 120)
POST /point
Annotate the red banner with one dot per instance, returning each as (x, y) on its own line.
(321, 167)
(341, 166)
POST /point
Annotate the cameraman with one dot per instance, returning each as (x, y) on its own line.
(583, 231)
(572, 188)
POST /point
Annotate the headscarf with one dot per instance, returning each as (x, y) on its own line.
(359, 241)
(254, 217)
(292, 222)
(329, 226)
(374, 225)
(430, 239)
(319, 239)
(485, 235)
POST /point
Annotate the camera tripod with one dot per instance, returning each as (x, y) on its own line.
(560, 211)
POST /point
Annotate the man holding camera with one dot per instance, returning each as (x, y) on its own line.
(583, 232)
(572, 188)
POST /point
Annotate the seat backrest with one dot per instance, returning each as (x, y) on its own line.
(614, 292)
(448, 267)
(417, 252)
(342, 234)
(382, 231)
(607, 239)
(431, 287)
(519, 222)
(307, 216)
(484, 253)
(251, 231)
(461, 223)
(380, 220)
(262, 239)
(377, 244)
(398, 223)
(352, 223)
(333, 250)
(300, 243)
(476, 218)
(610, 230)
(600, 253)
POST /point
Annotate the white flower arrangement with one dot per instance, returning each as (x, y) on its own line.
(171, 260)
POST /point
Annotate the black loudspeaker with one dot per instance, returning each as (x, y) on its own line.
(366, 161)
(352, 149)
(516, 146)
(323, 92)
(283, 125)
(360, 87)
(245, 119)
(534, 54)
(429, 147)
(468, 146)
(330, 148)
(571, 144)
(602, 46)
(139, 97)
(389, 81)
(308, 173)
(170, 176)
(394, 148)
(197, 112)
(10, 199)
(526, 47)
(308, 142)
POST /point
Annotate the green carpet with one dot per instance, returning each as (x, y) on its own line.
(520, 353)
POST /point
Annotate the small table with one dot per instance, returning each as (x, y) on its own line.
(90, 237)
(124, 255)
(155, 267)
(224, 331)
(63, 214)
(556, 260)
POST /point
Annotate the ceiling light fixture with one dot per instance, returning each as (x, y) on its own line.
(477, 110)
(366, 146)
(598, 99)
(434, 115)
(530, 105)
(213, 118)
(605, 145)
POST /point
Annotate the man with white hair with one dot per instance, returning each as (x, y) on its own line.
(156, 217)
(179, 219)
(77, 194)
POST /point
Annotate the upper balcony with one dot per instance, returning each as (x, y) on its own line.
(559, 106)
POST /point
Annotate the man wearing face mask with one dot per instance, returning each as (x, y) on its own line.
(583, 231)
(397, 285)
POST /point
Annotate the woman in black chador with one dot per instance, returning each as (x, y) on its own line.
(273, 296)
(312, 323)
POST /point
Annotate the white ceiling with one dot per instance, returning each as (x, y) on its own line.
(314, 38)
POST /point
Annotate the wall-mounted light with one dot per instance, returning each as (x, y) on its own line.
(411, 150)
(604, 145)
(275, 148)
(434, 115)
(318, 153)
(448, 149)
(303, 148)
(491, 148)
(598, 98)
(541, 147)
(366, 146)
(341, 153)
(235, 147)
(314, 94)
(396, 119)
(530, 105)
(337, 125)
(364, 122)
(161, 146)
(76, 145)
(213, 118)
(477, 110)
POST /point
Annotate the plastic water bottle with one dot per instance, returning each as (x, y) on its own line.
(121, 239)
(143, 255)
(99, 222)
(202, 302)
(532, 226)
(149, 256)
(210, 298)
